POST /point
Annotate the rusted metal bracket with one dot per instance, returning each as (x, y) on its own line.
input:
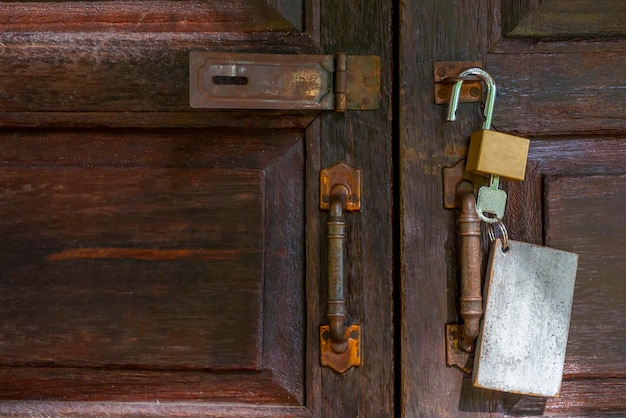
(454, 355)
(459, 193)
(340, 191)
(444, 76)
(452, 177)
(342, 361)
(337, 82)
(341, 174)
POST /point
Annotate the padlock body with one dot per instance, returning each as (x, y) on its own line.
(496, 153)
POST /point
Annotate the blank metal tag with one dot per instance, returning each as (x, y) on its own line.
(521, 348)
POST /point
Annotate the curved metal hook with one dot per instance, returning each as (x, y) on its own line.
(456, 93)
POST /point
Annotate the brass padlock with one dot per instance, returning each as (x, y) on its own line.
(499, 154)
(490, 152)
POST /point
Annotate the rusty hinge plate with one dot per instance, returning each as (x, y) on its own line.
(444, 75)
(268, 81)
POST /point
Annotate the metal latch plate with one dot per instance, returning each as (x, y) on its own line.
(274, 81)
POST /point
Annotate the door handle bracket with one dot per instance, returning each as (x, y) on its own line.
(341, 362)
(340, 191)
(341, 174)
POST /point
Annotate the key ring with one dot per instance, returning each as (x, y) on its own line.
(503, 232)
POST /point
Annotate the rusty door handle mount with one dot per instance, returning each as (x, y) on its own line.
(340, 191)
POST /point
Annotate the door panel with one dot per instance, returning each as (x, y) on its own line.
(578, 205)
(169, 260)
(558, 78)
(111, 270)
(126, 261)
(595, 346)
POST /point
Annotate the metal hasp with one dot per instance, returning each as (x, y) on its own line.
(445, 74)
(340, 191)
(460, 339)
(337, 82)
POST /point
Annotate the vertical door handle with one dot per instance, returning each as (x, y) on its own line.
(471, 257)
(459, 193)
(340, 192)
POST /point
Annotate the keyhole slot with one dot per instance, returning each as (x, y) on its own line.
(228, 80)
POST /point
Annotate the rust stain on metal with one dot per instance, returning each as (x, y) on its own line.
(455, 357)
(452, 177)
(308, 83)
(351, 356)
(444, 75)
(341, 174)
(274, 81)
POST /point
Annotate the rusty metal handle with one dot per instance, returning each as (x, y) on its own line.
(471, 299)
(340, 192)
(336, 235)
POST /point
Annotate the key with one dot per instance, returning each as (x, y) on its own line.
(491, 201)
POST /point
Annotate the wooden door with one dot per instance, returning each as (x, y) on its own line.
(559, 68)
(161, 260)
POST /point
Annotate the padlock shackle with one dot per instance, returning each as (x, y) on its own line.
(466, 75)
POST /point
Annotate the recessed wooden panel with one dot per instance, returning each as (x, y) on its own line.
(150, 267)
(566, 18)
(558, 93)
(141, 16)
(584, 214)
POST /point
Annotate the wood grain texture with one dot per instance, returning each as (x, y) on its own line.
(131, 223)
(139, 16)
(513, 11)
(596, 345)
(123, 309)
(148, 409)
(567, 18)
(363, 140)
(85, 384)
(591, 397)
(537, 92)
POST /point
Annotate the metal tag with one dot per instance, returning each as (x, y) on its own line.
(529, 291)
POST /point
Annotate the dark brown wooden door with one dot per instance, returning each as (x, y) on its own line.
(161, 260)
(559, 68)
